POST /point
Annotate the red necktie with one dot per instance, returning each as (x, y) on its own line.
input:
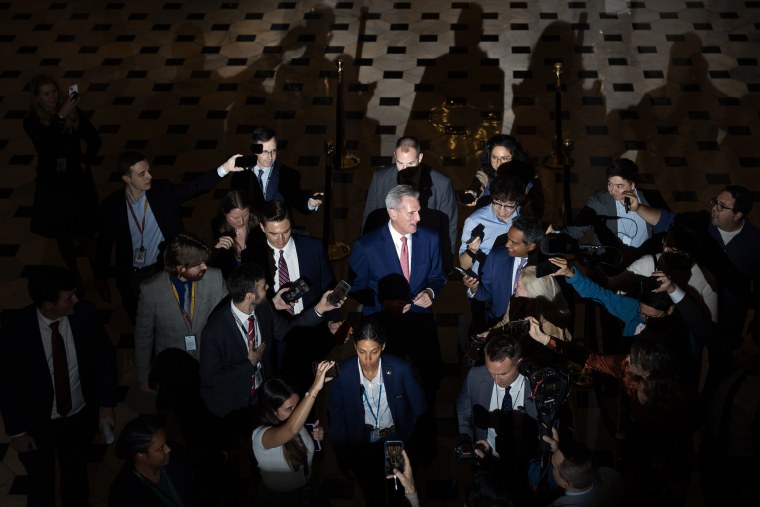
(404, 258)
(252, 343)
(60, 371)
(283, 274)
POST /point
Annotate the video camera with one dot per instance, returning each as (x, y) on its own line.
(561, 245)
(549, 390)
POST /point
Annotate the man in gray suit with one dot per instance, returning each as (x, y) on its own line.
(437, 200)
(490, 412)
(175, 304)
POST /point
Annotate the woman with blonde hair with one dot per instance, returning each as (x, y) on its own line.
(542, 298)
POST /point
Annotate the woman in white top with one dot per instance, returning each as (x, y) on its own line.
(283, 446)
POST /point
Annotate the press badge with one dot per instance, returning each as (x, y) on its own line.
(140, 255)
(374, 435)
(190, 343)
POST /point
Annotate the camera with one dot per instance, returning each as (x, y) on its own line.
(296, 290)
(550, 388)
(465, 450)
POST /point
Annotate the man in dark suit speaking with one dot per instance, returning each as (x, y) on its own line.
(235, 359)
(397, 269)
(57, 381)
(286, 258)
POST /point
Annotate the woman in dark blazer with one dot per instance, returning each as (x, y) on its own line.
(375, 399)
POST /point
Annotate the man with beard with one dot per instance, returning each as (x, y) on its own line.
(436, 195)
(175, 304)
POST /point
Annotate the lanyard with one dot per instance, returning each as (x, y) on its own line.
(140, 227)
(188, 318)
(369, 405)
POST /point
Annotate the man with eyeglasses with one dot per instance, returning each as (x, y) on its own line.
(438, 203)
(269, 180)
(729, 246)
(507, 196)
(502, 269)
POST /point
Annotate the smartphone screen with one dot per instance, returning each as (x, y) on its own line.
(340, 291)
(393, 456)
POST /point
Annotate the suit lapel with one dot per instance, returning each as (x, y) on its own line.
(274, 183)
(388, 250)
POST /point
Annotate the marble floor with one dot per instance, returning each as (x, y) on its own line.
(671, 84)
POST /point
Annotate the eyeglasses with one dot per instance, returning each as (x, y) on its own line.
(721, 207)
(501, 160)
(645, 317)
(504, 206)
(269, 153)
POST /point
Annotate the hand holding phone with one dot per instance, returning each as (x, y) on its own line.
(394, 458)
(339, 293)
(247, 160)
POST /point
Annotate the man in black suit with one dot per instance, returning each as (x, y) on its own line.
(286, 258)
(57, 381)
(235, 358)
(269, 180)
(142, 217)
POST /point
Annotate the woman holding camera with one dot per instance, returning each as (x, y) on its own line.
(283, 447)
(236, 231)
(542, 298)
(65, 204)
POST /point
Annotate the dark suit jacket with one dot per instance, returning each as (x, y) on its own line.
(284, 185)
(225, 369)
(374, 257)
(496, 285)
(165, 199)
(312, 264)
(476, 391)
(26, 385)
(406, 401)
(443, 199)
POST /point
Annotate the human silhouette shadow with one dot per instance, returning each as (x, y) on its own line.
(533, 101)
(459, 101)
(677, 125)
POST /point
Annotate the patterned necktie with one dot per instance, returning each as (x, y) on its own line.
(252, 343)
(506, 402)
(60, 371)
(283, 274)
(404, 258)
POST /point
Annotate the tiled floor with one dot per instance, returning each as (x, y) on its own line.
(673, 84)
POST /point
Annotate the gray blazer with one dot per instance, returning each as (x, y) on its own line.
(443, 199)
(476, 391)
(601, 204)
(160, 324)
